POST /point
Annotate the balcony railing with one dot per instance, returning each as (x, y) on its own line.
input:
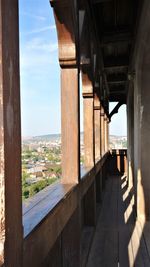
(59, 221)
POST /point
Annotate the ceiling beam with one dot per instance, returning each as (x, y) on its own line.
(115, 77)
(116, 68)
(106, 83)
(100, 1)
(116, 60)
(101, 61)
(117, 92)
(114, 38)
(117, 98)
(116, 82)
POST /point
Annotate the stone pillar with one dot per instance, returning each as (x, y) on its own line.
(11, 233)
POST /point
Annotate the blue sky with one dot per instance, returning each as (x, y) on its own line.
(39, 69)
(118, 125)
(40, 73)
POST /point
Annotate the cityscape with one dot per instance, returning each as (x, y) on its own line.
(41, 160)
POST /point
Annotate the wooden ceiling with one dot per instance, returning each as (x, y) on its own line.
(115, 22)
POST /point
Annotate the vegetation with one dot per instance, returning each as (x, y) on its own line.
(32, 183)
(31, 190)
(81, 159)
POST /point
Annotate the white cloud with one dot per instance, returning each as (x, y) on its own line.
(53, 27)
(33, 62)
(38, 44)
(37, 55)
(44, 29)
(33, 16)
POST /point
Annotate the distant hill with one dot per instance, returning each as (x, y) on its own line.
(48, 137)
(118, 136)
(53, 137)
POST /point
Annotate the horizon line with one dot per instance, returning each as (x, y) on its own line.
(31, 136)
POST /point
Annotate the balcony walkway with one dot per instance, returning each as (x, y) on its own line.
(118, 240)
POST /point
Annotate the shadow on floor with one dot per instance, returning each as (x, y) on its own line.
(118, 239)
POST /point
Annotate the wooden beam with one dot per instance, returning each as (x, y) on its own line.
(106, 133)
(70, 125)
(100, 1)
(117, 98)
(115, 77)
(11, 231)
(117, 82)
(117, 92)
(97, 126)
(106, 83)
(116, 68)
(88, 113)
(113, 38)
(65, 13)
(67, 31)
(102, 132)
(110, 61)
(88, 131)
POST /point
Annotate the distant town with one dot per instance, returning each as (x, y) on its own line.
(117, 142)
(41, 160)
